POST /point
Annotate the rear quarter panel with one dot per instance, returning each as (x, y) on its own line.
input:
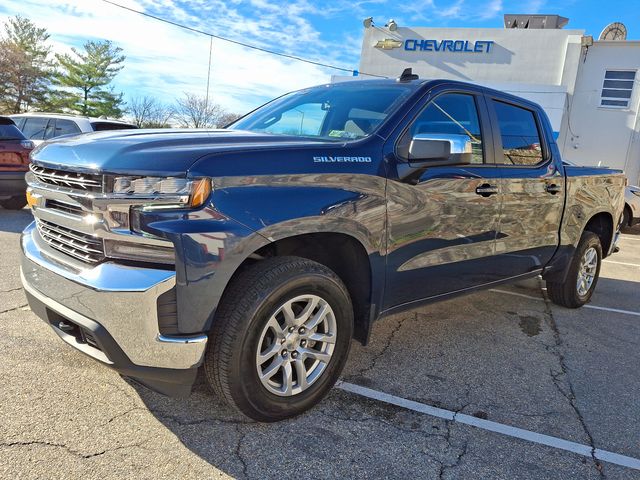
(591, 191)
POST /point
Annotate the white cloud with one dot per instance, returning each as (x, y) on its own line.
(492, 10)
(165, 61)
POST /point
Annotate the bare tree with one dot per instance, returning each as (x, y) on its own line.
(228, 118)
(193, 111)
(147, 112)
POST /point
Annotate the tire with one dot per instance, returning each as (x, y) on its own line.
(14, 203)
(246, 326)
(569, 294)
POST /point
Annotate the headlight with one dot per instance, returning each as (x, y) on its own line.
(178, 192)
(636, 192)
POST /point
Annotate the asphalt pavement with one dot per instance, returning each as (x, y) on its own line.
(498, 384)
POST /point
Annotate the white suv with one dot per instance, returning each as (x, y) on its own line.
(39, 127)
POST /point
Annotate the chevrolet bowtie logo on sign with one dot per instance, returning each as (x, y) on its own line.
(388, 44)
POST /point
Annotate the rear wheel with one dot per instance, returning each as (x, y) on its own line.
(280, 339)
(14, 203)
(582, 276)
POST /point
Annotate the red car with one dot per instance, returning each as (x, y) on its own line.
(14, 163)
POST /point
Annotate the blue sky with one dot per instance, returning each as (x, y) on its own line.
(164, 61)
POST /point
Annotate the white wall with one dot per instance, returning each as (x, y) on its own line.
(517, 56)
(595, 135)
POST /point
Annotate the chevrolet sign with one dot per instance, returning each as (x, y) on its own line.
(455, 46)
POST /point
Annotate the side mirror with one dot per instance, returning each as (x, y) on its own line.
(440, 149)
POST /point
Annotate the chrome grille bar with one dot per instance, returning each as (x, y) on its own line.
(78, 180)
(75, 244)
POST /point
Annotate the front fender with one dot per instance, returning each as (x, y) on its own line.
(247, 213)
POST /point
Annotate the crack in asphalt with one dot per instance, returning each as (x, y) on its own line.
(374, 360)
(238, 453)
(570, 395)
(66, 447)
(445, 467)
(11, 290)
(14, 308)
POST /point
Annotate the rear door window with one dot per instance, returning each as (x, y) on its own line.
(35, 128)
(521, 144)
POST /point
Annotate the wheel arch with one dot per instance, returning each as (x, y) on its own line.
(343, 253)
(602, 224)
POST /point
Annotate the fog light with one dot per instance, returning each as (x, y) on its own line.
(139, 252)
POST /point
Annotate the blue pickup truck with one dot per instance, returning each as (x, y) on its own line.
(259, 251)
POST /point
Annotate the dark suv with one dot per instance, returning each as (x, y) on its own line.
(14, 162)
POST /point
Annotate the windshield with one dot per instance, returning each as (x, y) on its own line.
(349, 110)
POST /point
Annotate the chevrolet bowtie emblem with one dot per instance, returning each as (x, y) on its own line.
(388, 44)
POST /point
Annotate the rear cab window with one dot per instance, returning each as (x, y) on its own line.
(103, 126)
(521, 141)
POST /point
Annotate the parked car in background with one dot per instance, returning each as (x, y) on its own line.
(631, 206)
(39, 127)
(14, 162)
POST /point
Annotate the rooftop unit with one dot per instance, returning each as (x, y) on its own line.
(535, 21)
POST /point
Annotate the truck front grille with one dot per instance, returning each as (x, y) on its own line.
(65, 207)
(62, 178)
(76, 244)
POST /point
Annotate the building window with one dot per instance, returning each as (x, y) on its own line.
(617, 88)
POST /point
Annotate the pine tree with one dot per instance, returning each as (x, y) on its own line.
(25, 66)
(84, 78)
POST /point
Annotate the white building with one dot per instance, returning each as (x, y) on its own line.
(586, 86)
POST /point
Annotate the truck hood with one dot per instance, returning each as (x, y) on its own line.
(165, 152)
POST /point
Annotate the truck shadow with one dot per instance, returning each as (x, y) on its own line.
(14, 221)
(327, 440)
(241, 448)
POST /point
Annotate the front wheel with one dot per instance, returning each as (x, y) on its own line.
(280, 338)
(582, 276)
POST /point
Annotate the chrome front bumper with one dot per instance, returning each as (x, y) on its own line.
(120, 298)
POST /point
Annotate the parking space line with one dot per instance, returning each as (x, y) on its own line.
(622, 263)
(614, 310)
(491, 426)
(593, 307)
(624, 237)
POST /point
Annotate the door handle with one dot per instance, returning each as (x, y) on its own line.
(552, 188)
(486, 190)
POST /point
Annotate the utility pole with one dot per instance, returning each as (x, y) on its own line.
(206, 102)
